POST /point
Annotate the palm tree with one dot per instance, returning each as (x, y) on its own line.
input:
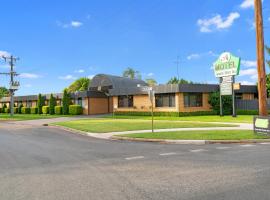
(80, 84)
(131, 73)
(151, 81)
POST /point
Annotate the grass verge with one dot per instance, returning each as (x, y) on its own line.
(199, 135)
(21, 117)
(118, 125)
(210, 118)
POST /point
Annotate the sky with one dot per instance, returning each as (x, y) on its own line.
(59, 41)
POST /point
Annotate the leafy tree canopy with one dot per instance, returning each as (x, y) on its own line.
(151, 81)
(175, 80)
(131, 73)
(80, 84)
(3, 92)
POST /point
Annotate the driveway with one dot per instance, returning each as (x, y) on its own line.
(48, 163)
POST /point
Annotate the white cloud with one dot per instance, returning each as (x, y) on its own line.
(27, 85)
(251, 73)
(199, 55)
(72, 24)
(91, 76)
(79, 71)
(247, 4)
(150, 74)
(67, 77)
(193, 56)
(249, 63)
(247, 83)
(4, 53)
(217, 22)
(29, 75)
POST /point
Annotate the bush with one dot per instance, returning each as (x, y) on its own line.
(40, 103)
(167, 114)
(75, 110)
(45, 109)
(58, 110)
(226, 103)
(52, 104)
(25, 110)
(34, 110)
(247, 112)
(6, 110)
(1, 110)
(66, 102)
(20, 109)
(16, 110)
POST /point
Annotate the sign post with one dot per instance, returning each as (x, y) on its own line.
(226, 68)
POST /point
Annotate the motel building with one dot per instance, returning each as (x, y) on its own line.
(108, 94)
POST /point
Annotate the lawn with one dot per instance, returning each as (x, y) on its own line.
(199, 135)
(115, 125)
(21, 117)
(210, 118)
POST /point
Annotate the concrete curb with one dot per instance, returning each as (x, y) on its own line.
(163, 141)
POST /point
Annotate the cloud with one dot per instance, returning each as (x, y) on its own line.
(150, 74)
(91, 76)
(249, 63)
(217, 22)
(199, 55)
(67, 77)
(4, 53)
(79, 71)
(29, 75)
(252, 73)
(27, 85)
(247, 4)
(247, 83)
(72, 24)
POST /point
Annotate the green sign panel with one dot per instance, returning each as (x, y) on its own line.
(227, 65)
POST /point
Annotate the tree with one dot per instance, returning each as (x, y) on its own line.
(175, 80)
(3, 92)
(66, 102)
(52, 104)
(80, 84)
(131, 73)
(151, 81)
(268, 51)
(40, 103)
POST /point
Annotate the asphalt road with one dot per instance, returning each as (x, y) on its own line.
(47, 163)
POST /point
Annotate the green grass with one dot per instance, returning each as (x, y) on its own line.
(199, 135)
(210, 118)
(115, 125)
(21, 117)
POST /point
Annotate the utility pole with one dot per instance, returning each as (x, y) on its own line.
(260, 58)
(13, 84)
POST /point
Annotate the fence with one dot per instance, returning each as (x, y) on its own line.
(249, 104)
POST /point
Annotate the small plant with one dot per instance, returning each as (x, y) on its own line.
(75, 110)
(66, 102)
(20, 108)
(34, 110)
(52, 104)
(15, 109)
(40, 103)
(58, 110)
(6, 110)
(45, 110)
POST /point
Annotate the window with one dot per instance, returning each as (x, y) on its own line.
(165, 100)
(79, 101)
(193, 100)
(238, 96)
(125, 101)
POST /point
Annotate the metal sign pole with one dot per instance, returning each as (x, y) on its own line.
(220, 101)
(233, 97)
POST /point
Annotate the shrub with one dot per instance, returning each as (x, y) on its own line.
(66, 102)
(25, 110)
(15, 109)
(247, 112)
(34, 110)
(58, 110)
(75, 110)
(52, 104)
(214, 99)
(1, 110)
(40, 103)
(20, 108)
(6, 110)
(45, 110)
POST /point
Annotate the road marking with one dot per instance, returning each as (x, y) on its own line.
(247, 145)
(222, 148)
(167, 154)
(265, 143)
(134, 158)
(197, 150)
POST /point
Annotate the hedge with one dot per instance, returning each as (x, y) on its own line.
(34, 110)
(45, 109)
(16, 110)
(58, 110)
(167, 114)
(6, 110)
(25, 110)
(20, 108)
(75, 110)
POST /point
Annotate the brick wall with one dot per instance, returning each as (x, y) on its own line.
(248, 96)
